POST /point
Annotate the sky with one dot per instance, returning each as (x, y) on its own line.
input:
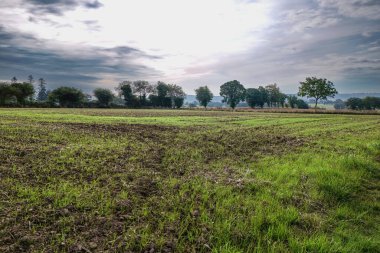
(98, 43)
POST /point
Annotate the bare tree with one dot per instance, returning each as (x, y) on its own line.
(30, 79)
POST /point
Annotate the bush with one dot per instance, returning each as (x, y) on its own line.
(301, 104)
(67, 97)
(104, 96)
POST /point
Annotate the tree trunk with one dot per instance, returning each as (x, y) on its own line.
(316, 103)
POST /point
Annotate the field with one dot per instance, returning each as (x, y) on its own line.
(93, 180)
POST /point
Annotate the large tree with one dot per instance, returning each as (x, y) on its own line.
(127, 93)
(317, 88)
(253, 97)
(263, 96)
(6, 92)
(371, 103)
(274, 95)
(292, 100)
(23, 92)
(203, 95)
(355, 104)
(141, 88)
(232, 92)
(67, 96)
(159, 95)
(176, 94)
(104, 96)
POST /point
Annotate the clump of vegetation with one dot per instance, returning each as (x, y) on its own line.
(67, 97)
(19, 93)
(104, 96)
(367, 103)
(160, 95)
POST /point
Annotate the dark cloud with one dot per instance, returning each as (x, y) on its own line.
(58, 7)
(122, 51)
(81, 71)
(93, 5)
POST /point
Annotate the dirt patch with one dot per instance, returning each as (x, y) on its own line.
(136, 129)
(145, 187)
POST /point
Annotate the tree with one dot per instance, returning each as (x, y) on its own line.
(159, 95)
(371, 103)
(166, 95)
(23, 92)
(163, 97)
(178, 102)
(125, 89)
(317, 88)
(253, 97)
(274, 94)
(30, 79)
(263, 96)
(292, 100)
(282, 99)
(232, 92)
(6, 92)
(301, 104)
(42, 92)
(367, 103)
(14, 80)
(67, 96)
(203, 95)
(354, 103)
(162, 89)
(104, 96)
(176, 95)
(118, 89)
(142, 88)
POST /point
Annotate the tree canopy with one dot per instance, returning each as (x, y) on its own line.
(203, 95)
(232, 92)
(367, 103)
(67, 96)
(104, 96)
(23, 92)
(317, 88)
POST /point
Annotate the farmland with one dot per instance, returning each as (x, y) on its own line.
(93, 180)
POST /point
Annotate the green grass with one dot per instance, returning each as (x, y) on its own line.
(84, 180)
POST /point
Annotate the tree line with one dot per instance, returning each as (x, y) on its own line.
(140, 93)
(135, 94)
(367, 103)
(233, 92)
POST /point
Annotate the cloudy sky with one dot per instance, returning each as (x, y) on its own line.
(98, 43)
